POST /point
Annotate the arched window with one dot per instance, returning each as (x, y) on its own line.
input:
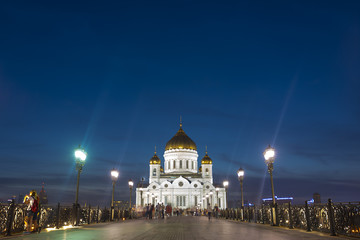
(192, 165)
(169, 165)
(207, 171)
(173, 164)
(154, 172)
(181, 163)
(187, 164)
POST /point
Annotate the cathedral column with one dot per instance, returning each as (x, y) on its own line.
(160, 195)
(172, 199)
(189, 198)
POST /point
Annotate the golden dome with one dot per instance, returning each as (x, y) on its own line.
(161, 169)
(180, 141)
(206, 159)
(155, 159)
(200, 168)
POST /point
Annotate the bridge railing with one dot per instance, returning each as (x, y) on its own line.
(12, 216)
(332, 218)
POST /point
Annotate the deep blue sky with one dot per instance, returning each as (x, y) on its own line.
(116, 76)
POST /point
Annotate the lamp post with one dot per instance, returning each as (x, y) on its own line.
(217, 197)
(131, 184)
(226, 185)
(114, 177)
(80, 157)
(269, 155)
(240, 174)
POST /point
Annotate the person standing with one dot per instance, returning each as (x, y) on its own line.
(209, 210)
(36, 210)
(151, 208)
(31, 210)
(216, 212)
(147, 214)
(162, 210)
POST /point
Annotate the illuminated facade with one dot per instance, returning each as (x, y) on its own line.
(179, 182)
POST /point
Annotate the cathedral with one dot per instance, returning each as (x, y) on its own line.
(178, 181)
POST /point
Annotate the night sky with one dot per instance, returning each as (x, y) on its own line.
(115, 77)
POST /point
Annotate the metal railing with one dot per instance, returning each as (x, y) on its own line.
(332, 218)
(12, 216)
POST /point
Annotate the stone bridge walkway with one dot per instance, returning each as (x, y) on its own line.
(198, 228)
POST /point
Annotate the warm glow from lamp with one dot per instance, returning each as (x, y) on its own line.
(240, 173)
(80, 154)
(114, 173)
(269, 153)
(131, 183)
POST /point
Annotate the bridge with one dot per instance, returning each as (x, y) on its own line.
(181, 227)
(315, 221)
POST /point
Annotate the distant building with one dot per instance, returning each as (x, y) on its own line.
(43, 196)
(316, 197)
(237, 203)
(20, 199)
(121, 204)
(280, 200)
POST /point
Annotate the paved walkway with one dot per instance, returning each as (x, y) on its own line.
(176, 228)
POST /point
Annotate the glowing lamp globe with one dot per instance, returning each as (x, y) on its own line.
(240, 174)
(80, 154)
(131, 183)
(114, 174)
(269, 154)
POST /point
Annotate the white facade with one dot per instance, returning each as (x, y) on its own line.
(181, 185)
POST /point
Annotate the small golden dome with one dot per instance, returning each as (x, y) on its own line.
(155, 159)
(200, 168)
(206, 159)
(161, 169)
(180, 141)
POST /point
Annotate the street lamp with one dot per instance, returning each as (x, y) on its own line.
(240, 174)
(80, 157)
(269, 155)
(226, 185)
(114, 177)
(131, 184)
(217, 196)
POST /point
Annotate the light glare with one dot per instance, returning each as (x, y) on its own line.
(80, 154)
(114, 173)
(131, 183)
(270, 153)
(241, 173)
